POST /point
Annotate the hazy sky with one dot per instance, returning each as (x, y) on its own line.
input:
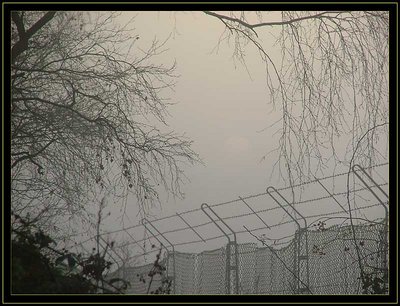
(218, 105)
(224, 109)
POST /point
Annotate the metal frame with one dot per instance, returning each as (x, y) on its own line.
(119, 256)
(168, 253)
(384, 243)
(331, 195)
(369, 187)
(134, 240)
(229, 267)
(299, 256)
(254, 212)
(190, 227)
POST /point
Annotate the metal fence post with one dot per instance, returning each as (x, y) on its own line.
(384, 240)
(301, 255)
(172, 246)
(229, 266)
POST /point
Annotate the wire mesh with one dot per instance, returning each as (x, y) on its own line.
(324, 258)
(333, 261)
(140, 279)
(185, 277)
(211, 272)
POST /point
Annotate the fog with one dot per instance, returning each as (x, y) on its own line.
(224, 107)
(217, 104)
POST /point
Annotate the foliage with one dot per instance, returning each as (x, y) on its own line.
(375, 283)
(38, 267)
(373, 274)
(158, 269)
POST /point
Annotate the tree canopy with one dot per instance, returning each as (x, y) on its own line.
(330, 84)
(83, 106)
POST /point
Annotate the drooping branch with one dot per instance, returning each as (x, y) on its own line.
(330, 82)
(273, 23)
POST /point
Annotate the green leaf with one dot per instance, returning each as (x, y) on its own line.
(60, 259)
(71, 261)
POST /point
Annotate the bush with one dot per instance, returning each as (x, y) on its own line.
(38, 267)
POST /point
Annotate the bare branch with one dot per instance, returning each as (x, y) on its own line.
(25, 35)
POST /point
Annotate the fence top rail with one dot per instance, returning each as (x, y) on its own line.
(253, 212)
(204, 208)
(252, 196)
(287, 204)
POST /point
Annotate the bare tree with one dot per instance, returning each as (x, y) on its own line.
(330, 83)
(84, 110)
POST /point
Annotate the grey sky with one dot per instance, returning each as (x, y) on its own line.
(225, 110)
(218, 105)
(290, 105)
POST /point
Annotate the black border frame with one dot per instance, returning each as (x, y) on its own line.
(392, 298)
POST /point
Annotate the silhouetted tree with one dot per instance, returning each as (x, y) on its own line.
(330, 83)
(83, 95)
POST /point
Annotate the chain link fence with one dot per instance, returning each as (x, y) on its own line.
(326, 242)
(333, 261)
